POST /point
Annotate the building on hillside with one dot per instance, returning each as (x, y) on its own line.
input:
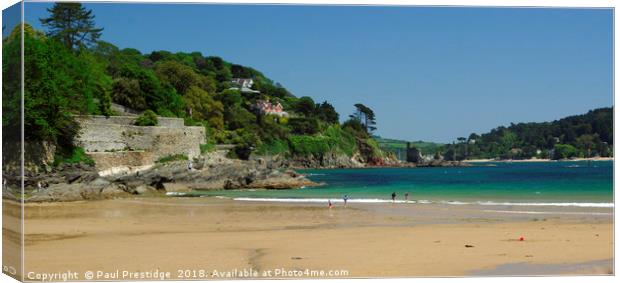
(267, 108)
(243, 85)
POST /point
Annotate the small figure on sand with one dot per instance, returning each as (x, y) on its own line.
(345, 198)
(406, 197)
(393, 197)
(329, 204)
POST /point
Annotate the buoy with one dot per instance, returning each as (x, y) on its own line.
(521, 238)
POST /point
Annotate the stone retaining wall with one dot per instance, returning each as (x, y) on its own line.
(115, 141)
(104, 160)
(129, 120)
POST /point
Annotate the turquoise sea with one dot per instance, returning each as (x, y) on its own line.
(582, 183)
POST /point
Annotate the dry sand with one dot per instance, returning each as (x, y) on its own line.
(363, 240)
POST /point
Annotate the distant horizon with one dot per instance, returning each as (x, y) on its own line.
(429, 73)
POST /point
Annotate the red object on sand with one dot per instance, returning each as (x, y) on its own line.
(521, 238)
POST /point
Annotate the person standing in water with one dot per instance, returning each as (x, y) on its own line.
(393, 197)
(406, 197)
(345, 198)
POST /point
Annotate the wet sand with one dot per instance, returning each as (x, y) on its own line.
(208, 235)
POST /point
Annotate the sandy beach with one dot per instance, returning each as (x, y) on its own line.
(220, 238)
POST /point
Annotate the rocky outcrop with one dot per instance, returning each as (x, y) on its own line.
(342, 161)
(215, 172)
(212, 172)
(330, 160)
(333, 160)
(98, 189)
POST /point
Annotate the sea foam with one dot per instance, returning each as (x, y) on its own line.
(486, 203)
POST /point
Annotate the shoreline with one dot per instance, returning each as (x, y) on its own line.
(220, 234)
(537, 160)
(462, 163)
(485, 203)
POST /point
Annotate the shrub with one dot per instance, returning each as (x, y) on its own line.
(273, 147)
(148, 118)
(207, 147)
(341, 140)
(309, 145)
(78, 155)
(376, 151)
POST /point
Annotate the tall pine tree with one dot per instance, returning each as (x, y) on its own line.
(72, 24)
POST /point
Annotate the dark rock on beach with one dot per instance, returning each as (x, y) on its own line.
(212, 172)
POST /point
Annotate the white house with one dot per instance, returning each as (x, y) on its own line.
(243, 85)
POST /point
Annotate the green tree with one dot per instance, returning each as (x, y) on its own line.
(586, 144)
(231, 101)
(366, 116)
(304, 126)
(58, 84)
(72, 24)
(355, 127)
(182, 77)
(564, 151)
(326, 112)
(305, 106)
(204, 107)
(241, 119)
(126, 91)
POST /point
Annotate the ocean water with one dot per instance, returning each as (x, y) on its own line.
(582, 183)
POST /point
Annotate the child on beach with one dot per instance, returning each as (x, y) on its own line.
(406, 197)
(345, 198)
(393, 197)
(329, 204)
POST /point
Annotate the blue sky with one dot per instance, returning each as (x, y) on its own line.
(11, 16)
(429, 73)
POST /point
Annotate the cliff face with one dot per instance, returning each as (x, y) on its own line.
(37, 155)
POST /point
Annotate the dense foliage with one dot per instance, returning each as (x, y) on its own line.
(586, 135)
(59, 83)
(70, 71)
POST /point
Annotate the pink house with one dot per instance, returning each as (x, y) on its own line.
(268, 108)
